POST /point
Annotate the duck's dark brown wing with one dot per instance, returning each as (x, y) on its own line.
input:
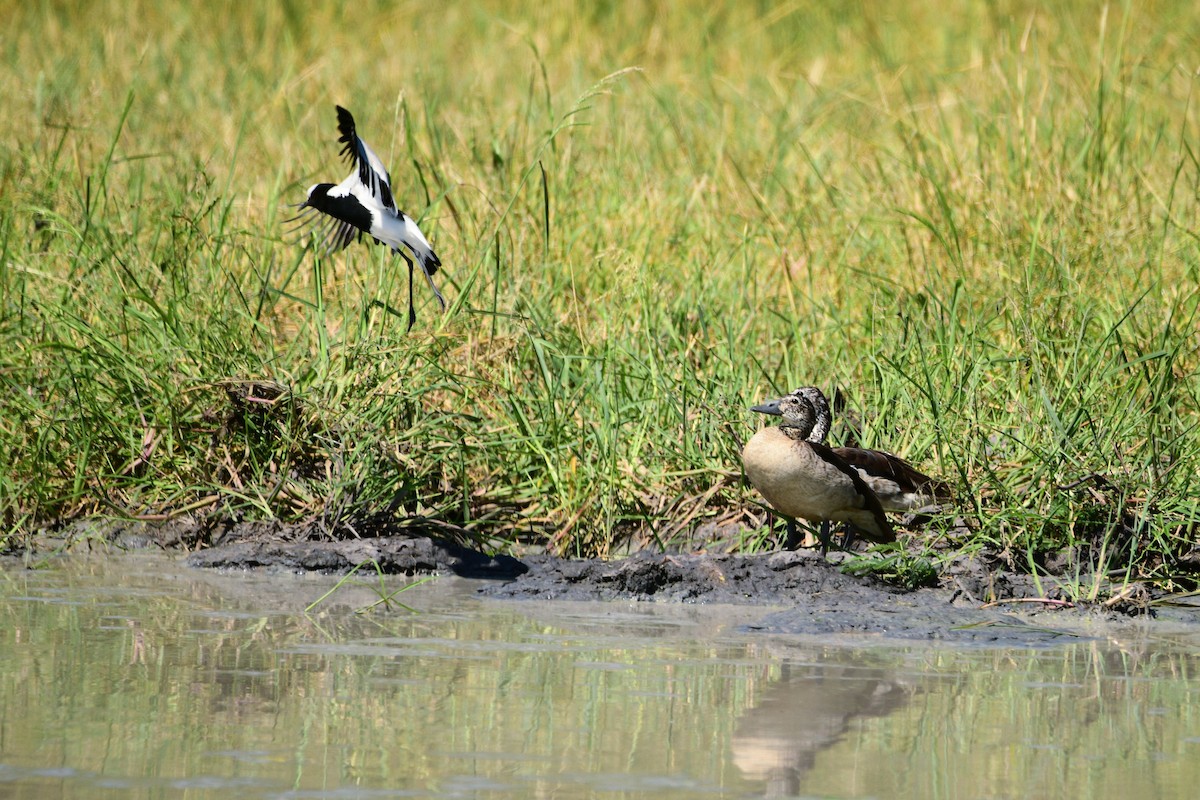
(907, 478)
(885, 532)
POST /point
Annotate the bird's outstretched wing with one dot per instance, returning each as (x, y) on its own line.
(331, 234)
(371, 171)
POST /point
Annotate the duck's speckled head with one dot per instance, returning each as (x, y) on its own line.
(805, 414)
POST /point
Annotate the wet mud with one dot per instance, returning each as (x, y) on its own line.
(811, 596)
(801, 593)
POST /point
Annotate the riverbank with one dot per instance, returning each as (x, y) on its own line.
(972, 600)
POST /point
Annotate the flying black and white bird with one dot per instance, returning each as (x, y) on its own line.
(338, 214)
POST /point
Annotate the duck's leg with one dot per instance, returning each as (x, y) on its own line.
(793, 539)
(823, 534)
(847, 536)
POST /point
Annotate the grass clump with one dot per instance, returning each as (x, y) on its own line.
(978, 222)
(896, 566)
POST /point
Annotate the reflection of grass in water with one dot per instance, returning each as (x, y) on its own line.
(386, 598)
(980, 226)
(538, 696)
(1086, 720)
(1021, 626)
(553, 700)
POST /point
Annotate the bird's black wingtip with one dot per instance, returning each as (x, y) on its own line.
(345, 121)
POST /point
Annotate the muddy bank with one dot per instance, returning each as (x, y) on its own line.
(973, 602)
(411, 555)
(419, 548)
(816, 597)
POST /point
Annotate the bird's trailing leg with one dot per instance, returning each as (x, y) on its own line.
(441, 300)
(412, 312)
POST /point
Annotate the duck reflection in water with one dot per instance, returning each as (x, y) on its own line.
(809, 709)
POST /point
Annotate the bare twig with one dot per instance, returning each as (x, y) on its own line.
(1046, 600)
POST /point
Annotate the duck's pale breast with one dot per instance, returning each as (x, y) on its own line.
(799, 483)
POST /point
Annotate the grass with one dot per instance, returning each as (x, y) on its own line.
(980, 222)
(385, 598)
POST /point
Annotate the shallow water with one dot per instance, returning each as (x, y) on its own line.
(133, 676)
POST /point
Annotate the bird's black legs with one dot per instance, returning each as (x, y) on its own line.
(823, 533)
(848, 537)
(412, 312)
(793, 536)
